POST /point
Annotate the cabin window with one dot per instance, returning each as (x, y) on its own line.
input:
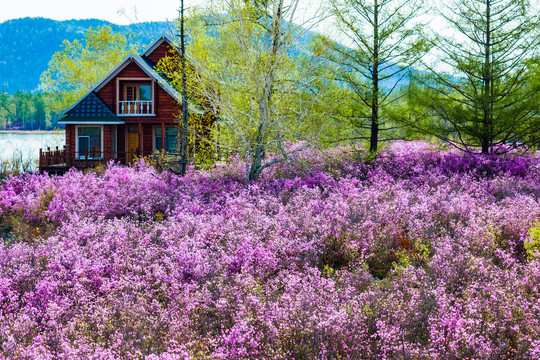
(171, 139)
(145, 92)
(136, 99)
(89, 142)
(137, 92)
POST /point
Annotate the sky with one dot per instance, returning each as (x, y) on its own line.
(121, 12)
(134, 10)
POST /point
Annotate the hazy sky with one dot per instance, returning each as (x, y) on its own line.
(146, 10)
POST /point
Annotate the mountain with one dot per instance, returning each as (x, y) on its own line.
(27, 45)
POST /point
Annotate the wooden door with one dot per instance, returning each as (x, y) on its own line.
(132, 144)
(131, 95)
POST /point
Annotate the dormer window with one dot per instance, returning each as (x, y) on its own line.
(136, 98)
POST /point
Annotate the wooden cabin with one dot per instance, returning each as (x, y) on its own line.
(132, 112)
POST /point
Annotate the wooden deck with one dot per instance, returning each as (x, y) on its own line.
(58, 161)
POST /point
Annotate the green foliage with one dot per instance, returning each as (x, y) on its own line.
(263, 93)
(532, 243)
(81, 64)
(381, 35)
(28, 111)
(201, 145)
(481, 98)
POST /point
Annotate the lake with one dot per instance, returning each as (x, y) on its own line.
(27, 144)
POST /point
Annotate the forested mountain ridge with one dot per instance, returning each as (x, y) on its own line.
(27, 44)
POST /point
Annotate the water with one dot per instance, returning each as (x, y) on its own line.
(27, 145)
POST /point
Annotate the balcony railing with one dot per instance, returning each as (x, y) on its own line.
(135, 107)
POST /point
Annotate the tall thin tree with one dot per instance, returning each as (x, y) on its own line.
(476, 95)
(379, 40)
(185, 124)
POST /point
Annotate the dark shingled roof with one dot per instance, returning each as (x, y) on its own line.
(90, 108)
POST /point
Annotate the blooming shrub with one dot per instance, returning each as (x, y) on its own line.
(417, 254)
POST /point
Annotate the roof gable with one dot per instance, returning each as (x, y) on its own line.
(148, 68)
(165, 38)
(91, 109)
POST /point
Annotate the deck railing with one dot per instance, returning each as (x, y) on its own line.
(58, 159)
(135, 107)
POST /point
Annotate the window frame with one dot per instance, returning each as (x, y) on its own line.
(78, 156)
(155, 142)
(123, 83)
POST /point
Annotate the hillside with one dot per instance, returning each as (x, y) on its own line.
(420, 253)
(26, 45)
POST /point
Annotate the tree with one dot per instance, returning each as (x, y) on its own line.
(380, 40)
(80, 65)
(185, 117)
(199, 143)
(482, 100)
(249, 67)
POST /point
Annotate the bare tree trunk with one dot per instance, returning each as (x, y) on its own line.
(183, 160)
(487, 103)
(259, 152)
(374, 138)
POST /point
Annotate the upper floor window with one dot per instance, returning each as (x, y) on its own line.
(136, 99)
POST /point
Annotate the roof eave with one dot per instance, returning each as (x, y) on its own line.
(91, 122)
(158, 42)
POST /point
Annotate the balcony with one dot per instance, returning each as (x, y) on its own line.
(135, 108)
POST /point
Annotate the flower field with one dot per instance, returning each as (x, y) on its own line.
(419, 253)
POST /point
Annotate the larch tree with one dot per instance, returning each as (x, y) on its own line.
(259, 83)
(477, 93)
(378, 41)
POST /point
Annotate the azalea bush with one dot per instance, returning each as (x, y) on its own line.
(419, 253)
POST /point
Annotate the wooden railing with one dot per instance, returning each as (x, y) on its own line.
(64, 159)
(135, 107)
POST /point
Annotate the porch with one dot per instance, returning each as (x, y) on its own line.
(59, 161)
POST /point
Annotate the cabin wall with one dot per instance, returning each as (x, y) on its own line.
(148, 134)
(70, 139)
(166, 108)
(108, 141)
(160, 52)
(107, 136)
(108, 92)
(167, 111)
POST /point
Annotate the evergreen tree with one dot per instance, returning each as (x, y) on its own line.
(483, 101)
(379, 41)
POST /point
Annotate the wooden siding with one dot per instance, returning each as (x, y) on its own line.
(167, 109)
(107, 136)
(108, 92)
(147, 148)
(164, 49)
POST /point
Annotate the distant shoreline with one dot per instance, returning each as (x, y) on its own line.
(30, 131)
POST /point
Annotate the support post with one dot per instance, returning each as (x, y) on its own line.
(163, 137)
(141, 139)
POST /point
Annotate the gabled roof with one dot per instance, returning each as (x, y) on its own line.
(165, 37)
(148, 69)
(90, 110)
